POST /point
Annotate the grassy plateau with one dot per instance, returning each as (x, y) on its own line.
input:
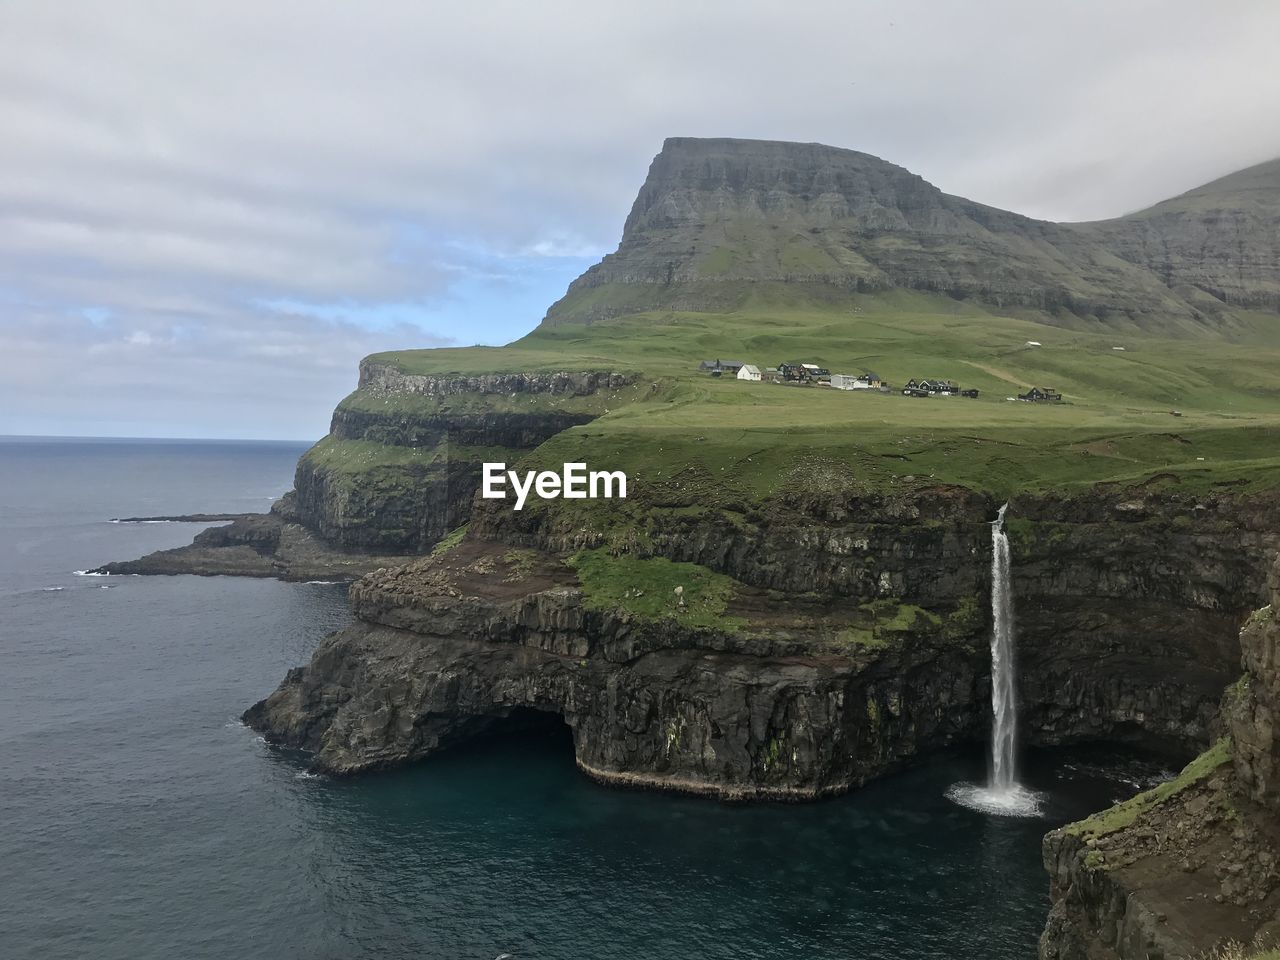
(1196, 413)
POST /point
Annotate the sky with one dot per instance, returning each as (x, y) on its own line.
(209, 212)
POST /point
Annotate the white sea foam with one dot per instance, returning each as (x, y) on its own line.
(51, 589)
(322, 581)
(90, 573)
(1015, 801)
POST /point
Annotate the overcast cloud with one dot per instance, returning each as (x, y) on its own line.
(209, 212)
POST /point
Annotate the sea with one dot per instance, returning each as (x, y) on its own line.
(140, 820)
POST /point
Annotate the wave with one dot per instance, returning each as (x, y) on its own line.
(51, 589)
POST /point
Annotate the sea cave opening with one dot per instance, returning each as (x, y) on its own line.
(536, 729)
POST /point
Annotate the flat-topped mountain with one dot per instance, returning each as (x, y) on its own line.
(720, 223)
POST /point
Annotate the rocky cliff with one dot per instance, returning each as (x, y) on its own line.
(455, 645)
(402, 460)
(721, 221)
(398, 471)
(1222, 239)
(1194, 864)
(850, 640)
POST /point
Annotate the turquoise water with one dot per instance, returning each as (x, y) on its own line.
(140, 820)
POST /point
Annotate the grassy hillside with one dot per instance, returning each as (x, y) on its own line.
(1116, 423)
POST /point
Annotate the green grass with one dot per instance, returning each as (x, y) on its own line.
(449, 541)
(1116, 425)
(882, 623)
(356, 457)
(646, 589)
(1124, 814)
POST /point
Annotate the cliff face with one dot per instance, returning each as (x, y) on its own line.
(399, 467)
(1222, 238)
(1128, 602)
(454, 646)
(717, 219)
(792, 697)
(1253, 709)
(1195, 863)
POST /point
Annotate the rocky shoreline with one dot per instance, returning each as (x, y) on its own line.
(273, 545)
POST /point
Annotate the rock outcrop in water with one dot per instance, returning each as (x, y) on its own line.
(271, 544)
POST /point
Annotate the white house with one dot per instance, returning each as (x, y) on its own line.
(749, 371)
(849, 381)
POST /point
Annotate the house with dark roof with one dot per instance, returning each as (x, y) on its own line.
(717, 367)
(1040, 395)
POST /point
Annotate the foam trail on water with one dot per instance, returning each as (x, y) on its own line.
(1003, 795)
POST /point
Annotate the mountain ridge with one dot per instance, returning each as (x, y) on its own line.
(721, 221)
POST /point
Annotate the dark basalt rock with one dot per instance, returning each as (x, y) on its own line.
(434, 662)
(1115, 642)
(1199, 869)
(256, 545)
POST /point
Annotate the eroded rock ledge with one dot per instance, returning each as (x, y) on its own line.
(450, 647)
(795, 692)
(271, 544)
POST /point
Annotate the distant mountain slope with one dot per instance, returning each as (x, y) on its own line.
(719, 223)
(1222, 238)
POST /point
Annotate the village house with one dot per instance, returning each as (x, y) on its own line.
(718, 367)
(1038, 395)
(861, 381)
(792, 371)
(749, 371)
(930, 388)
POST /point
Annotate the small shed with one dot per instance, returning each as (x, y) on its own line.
(749, 371)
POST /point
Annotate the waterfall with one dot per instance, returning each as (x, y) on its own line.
(1002, 794)
(1004, 699)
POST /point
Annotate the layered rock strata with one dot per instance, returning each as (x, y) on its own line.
(1195, 864)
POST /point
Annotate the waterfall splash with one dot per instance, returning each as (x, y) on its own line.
(1002, 795)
